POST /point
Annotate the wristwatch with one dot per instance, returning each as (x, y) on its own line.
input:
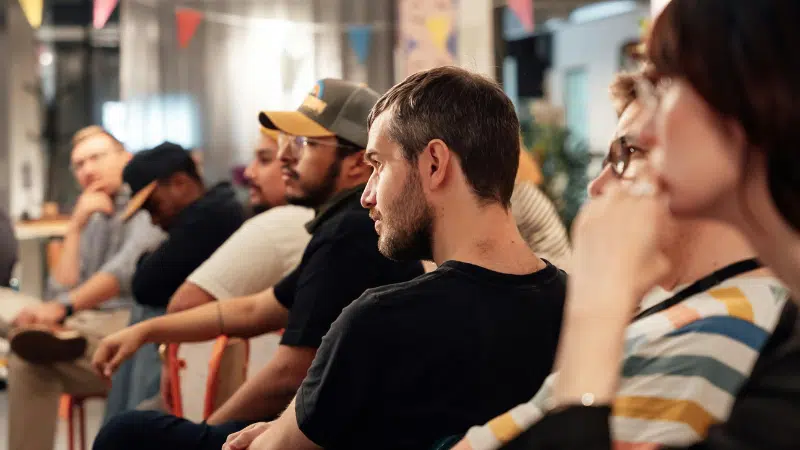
(69, 310)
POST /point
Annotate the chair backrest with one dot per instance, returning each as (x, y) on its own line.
(227, 371)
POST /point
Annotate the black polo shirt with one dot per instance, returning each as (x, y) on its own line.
(340, 262)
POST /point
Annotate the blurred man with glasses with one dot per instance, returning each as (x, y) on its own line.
(90, 293)
(321, 150)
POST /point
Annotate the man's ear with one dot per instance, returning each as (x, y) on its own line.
(435, 161)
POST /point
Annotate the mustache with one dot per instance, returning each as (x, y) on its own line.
(286, 170)
(374, 215)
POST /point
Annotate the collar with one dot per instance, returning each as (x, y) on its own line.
(334, 205)
(122, 197)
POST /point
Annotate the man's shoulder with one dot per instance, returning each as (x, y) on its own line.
(348, 225)
(286, 219)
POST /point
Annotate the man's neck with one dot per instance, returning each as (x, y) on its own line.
(484, 236)
(704, 248)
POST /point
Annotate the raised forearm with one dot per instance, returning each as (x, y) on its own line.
(67, 270)
(266, 395)
(99, 288)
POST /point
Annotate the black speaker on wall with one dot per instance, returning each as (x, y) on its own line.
(533, 54)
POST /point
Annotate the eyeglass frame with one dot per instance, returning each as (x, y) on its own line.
(618, 153)
(298, 144)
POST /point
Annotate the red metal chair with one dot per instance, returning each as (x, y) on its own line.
(175, 364)
(71, 405)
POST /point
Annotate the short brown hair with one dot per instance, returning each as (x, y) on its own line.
(95, 130)
(739, 56)
(467, 111)
(623, 91)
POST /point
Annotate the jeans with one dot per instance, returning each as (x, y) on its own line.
(153, 430)
(138, 379)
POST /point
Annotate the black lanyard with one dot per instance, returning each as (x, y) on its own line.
(702, 285)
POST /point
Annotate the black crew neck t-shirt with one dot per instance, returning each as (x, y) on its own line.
(339, 263)
(408, 364)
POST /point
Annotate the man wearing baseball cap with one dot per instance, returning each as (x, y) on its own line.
(165, 182)
(321, 148)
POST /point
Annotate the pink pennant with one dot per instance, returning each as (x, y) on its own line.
(523, 9)
(102, 11)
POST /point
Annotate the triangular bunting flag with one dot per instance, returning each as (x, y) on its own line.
(439, 29)
(33, 11)
(360, 38)
(102, 11)
(523, 9)
(187, 20)
(452, 44)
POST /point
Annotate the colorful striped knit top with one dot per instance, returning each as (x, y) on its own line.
(682, 368)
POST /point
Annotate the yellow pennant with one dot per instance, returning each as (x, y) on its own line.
(33, 11)
(439, 29)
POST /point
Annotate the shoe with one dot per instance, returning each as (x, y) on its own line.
(44, 346)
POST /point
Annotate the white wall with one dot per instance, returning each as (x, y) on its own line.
(476, 36)
(596, 46)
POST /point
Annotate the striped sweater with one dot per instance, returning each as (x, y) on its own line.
(681, 371)
(540, 225)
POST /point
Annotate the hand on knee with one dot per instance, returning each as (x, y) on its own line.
(242, 439)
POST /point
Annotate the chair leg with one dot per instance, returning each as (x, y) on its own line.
(70, 430)
(82, 425)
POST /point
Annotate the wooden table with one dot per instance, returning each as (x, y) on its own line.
(32, 268)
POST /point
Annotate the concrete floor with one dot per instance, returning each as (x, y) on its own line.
(94, 414)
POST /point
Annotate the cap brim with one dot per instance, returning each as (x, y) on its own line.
(136, 202)
(270, 133)
(294, 123)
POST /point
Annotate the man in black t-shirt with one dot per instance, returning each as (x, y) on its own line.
(408, 364)
(321, 147)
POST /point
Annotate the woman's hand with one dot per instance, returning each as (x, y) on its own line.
(617, 258)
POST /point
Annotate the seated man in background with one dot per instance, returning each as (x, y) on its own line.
(165, 182)
(407, 364)
(321, 149)
(271, 243)
(93, 296)
(264, 250)
(683, 366)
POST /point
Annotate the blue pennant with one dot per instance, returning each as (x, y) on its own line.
(452, 44)
(360, 39)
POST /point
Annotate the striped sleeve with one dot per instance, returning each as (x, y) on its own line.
(540, 225)
(504, 428)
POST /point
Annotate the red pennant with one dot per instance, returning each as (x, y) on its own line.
(102, 11)
(187, 20)
(523, 9)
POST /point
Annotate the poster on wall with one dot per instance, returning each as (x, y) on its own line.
(428, 34)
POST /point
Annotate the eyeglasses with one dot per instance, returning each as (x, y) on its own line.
(298, 144)
(95, 157)
(620, 154)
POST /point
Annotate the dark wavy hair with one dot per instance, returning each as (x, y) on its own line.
(741, 57)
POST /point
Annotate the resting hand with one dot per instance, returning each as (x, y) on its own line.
(242, 439)
(116, 348)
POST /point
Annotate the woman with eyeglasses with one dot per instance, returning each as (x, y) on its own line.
(724, 112)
